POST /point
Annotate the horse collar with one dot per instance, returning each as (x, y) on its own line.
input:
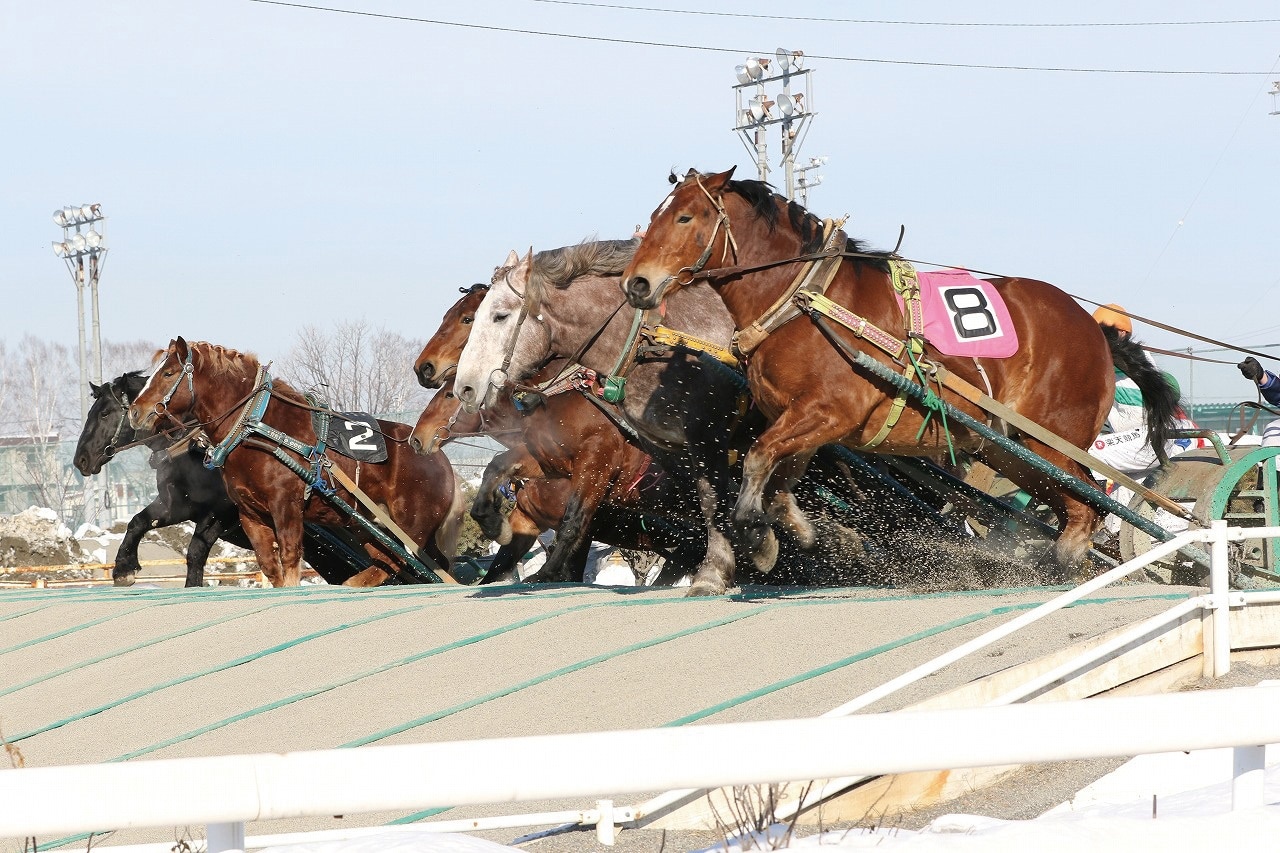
(250, 417)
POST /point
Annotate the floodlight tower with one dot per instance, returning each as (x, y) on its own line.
(82, 241)
(1275, 98)
(789, 108)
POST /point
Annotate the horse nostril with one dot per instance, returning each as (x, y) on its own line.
(426, 370)
(638, 286)
(415, 444)
(466, 394)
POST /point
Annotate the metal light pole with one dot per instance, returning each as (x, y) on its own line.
(82, 241)
(790, 108)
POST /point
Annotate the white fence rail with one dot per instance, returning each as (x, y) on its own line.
(231, 790)
(226, 792)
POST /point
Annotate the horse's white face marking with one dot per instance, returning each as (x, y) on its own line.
(666, 202)
(155, 371)
(496, 321)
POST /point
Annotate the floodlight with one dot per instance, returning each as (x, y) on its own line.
(745, 117)
(760, 108)
(59, 218)
(76, 242)
(86, 212)
(741, 72)
(93, 239)
(791, 105)
(61, 249)
(819, 161)
(784, 60)
(756, 68)
(69, 214)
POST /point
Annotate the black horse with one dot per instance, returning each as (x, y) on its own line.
(186, 491)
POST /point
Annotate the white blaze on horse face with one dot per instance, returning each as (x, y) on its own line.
(666, 202)
(161, 358)
(486, 347)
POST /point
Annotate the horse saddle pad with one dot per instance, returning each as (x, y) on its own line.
(965, 315)
(356, 435)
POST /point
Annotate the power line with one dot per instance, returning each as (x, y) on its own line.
(907, 23)
(743, 51)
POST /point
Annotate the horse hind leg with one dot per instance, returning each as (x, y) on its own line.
(1077, 520)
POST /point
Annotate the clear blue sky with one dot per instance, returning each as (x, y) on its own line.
(265, 167)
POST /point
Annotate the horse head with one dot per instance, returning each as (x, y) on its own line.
(685, 232)
(508, 339)
(169, 391)
(436, 424)
(439, 358)
(107, 426)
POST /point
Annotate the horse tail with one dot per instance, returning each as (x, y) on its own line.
(1159, 395)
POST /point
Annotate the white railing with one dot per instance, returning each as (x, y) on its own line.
(226, 792)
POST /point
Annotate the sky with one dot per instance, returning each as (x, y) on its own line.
(265, 167)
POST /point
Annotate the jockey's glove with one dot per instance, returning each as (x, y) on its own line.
(1251, 369)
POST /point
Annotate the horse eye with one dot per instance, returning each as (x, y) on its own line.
(467, 321)
(448, 395)
(499, 318)
(168, 373)
(685, 218)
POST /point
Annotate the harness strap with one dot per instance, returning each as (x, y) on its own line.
(250, 415)
(670, 337)
(814, 277)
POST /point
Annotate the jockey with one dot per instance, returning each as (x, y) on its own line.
(1123, 443)
(1269, 385)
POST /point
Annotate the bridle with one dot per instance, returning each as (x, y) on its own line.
(498, 377)
(123, 402)
(722, 221)
(188, 373)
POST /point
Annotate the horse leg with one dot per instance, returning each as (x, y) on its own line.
(502, 569)
(208, 530)
(127, 567)
(572, 533)
(782, 505)
(485, 509)
(263, 539)
(715, 572)
(796, 434)
(1077, 521)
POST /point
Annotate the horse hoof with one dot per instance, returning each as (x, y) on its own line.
(124, 579)
(700, 588)
(765, 556)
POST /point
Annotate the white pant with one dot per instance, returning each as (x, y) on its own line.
(1271, 435)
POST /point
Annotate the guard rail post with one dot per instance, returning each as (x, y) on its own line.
(1219, 591)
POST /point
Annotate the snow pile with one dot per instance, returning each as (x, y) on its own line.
(37, 537)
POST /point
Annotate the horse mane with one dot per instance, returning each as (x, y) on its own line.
(559, 267)
(223, 361)
(764, 202)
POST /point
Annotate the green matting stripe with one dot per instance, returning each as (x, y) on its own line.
(22, 613)
(74, 628)
(843, 662)
(279, 647)
(125, 650)
(890, 646)
(545, 677)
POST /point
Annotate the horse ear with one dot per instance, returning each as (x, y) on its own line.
(95, 389)
(180, 348)
(512, 259)
(528, 259)
(715, 183)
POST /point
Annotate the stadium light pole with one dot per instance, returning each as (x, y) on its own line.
(778, 92)
(84, 249)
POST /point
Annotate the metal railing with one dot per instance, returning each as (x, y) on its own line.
(842, 749)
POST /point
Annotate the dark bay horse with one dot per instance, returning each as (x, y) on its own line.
(185, 491)
(578, 473)
(1061, 375)
(677, 409)
(216, 386)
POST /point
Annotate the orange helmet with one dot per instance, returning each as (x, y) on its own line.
(1113, 315)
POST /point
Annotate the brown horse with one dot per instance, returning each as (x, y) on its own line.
(1061, 375)
(562, 437)
(438, 360)
(216, 386)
